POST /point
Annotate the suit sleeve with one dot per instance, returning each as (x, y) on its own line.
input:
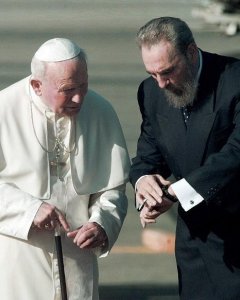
(217, 180)
(149, 159)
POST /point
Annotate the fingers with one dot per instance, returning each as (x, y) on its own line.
(141, 204)
(72, 234)
(149, 187)
(90, 235)
(149, 191)
(150, 214)
(164, 181)
(150, 204)
(145, 222)
(151, 211)
(147, 217)
(62, 220)
(48, 216)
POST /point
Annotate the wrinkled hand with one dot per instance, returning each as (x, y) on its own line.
(149, 187)
(90, 235)
(47, 218)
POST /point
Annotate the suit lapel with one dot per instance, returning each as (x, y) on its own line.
(202, 117)
(199, 127)
(172, 135)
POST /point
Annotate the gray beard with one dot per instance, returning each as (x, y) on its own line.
(180, 97)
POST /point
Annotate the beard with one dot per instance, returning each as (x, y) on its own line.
(183, 94)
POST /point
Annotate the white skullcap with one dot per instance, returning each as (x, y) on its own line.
(57, 49)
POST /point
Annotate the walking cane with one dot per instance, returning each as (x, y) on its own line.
(58, 244)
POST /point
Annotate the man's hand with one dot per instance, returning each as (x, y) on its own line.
(149, 187)
(150, 212)
(48, 216)
(90, 235)
(149, 190)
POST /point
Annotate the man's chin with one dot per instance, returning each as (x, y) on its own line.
(181, 98)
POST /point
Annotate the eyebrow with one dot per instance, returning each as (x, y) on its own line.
(168, 70)
(163, 72)
(70, 86)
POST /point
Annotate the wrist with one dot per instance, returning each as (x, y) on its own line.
(168, 195)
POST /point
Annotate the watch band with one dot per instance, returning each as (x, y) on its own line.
(167, 195)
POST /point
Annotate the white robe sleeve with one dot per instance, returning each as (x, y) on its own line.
(17, 211)
(109, 209)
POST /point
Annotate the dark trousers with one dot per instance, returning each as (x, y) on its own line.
(208, 255)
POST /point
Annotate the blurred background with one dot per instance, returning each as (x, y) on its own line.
(141, 265)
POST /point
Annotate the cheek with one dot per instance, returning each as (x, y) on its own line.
(47, 97)
(58, 100)
(179, 77)
(55, 101)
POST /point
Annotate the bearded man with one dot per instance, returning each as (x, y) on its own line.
(189, 152)
(63, 161)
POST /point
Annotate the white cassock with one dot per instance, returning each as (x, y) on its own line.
(88, 185)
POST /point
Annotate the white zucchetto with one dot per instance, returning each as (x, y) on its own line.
(57, 49)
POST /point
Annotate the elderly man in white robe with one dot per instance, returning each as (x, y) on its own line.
(63, 160)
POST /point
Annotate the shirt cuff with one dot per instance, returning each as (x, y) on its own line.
(138, 181)
(137, 204)
(186, 194)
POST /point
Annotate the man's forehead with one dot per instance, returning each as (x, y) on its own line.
(160, 56)
(162, 49)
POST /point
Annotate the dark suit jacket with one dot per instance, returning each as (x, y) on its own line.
(206, 154)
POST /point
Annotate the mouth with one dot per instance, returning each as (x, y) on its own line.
(71, 110)
(175, 90)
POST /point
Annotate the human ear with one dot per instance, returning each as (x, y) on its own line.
(37, 86)
(192, 52)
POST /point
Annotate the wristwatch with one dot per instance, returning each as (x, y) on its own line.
(167, 195)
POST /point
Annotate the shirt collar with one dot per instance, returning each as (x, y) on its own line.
(200, 65)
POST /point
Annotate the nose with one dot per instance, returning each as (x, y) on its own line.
(162, 82)
(77, 98)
